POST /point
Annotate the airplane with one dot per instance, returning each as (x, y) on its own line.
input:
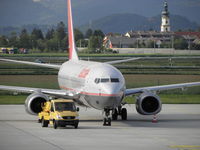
(93, 84)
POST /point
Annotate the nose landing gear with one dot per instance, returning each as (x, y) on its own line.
(107, 118)
(115, 113)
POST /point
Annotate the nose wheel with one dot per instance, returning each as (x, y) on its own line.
(107, 118)
(115, 113)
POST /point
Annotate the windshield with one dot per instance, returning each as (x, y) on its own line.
(65, 106)
(106, 80)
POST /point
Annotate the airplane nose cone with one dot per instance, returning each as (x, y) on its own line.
(111, 97)
(111, 90)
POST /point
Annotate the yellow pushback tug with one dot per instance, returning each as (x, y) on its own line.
(59, 113)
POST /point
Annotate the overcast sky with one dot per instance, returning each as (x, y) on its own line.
(14, 12)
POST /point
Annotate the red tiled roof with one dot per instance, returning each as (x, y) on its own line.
(188, 33)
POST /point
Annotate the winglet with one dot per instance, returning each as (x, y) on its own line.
(72, 46)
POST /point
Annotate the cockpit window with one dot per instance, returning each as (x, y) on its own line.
(114, 80)
(97, 80)
(106, 80)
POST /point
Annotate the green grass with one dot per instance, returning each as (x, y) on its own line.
(11, 99)
(172, 99)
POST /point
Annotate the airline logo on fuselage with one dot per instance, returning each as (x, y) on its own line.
(84, 73)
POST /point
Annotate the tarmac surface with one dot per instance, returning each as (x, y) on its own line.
(178, 128)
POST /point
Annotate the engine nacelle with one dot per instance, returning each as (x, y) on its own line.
(148, 104)
(34, 102)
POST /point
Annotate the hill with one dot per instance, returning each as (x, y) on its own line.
(117, 23)
(121, 23)
(21, 12)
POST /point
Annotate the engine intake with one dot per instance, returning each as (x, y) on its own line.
(34, 102)
(148, 104)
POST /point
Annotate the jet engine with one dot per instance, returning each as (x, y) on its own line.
(34, 102)
(148, 104)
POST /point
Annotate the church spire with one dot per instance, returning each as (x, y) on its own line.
(165, 24)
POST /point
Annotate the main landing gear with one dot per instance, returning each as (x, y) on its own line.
(115, 113)
(119, 112)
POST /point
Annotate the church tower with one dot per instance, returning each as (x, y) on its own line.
(165, 23)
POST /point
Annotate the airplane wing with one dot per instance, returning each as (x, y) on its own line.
(160, 88)
(149, 58)
(52, 92)
(33, 63)
(121, 61)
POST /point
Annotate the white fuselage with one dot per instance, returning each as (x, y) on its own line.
(99, 85)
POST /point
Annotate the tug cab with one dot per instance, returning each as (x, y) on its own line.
(59, 113)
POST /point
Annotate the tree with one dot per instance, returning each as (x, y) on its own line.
(25, 41)
(41, 45)
(64, 44)
(88, 33)
(50, 34)
(13, 40)
(60, 34)
(52, 45)
(37, 33)
(180, 43)
(95, 42)
(198, 30)
(3, 41)
(60, 31)
(98, 33)
(78, 35)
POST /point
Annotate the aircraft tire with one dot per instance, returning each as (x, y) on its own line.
(124, 114)
(109, 121)
(55, 124)
(115, 115)
(44, 123)
(76, 126)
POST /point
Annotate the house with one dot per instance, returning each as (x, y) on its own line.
(191, 36)
(118, 42)
(150, 35)
(135, 39)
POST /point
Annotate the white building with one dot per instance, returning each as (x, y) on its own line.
(165, 23)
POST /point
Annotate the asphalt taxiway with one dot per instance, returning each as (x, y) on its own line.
(178, 128)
